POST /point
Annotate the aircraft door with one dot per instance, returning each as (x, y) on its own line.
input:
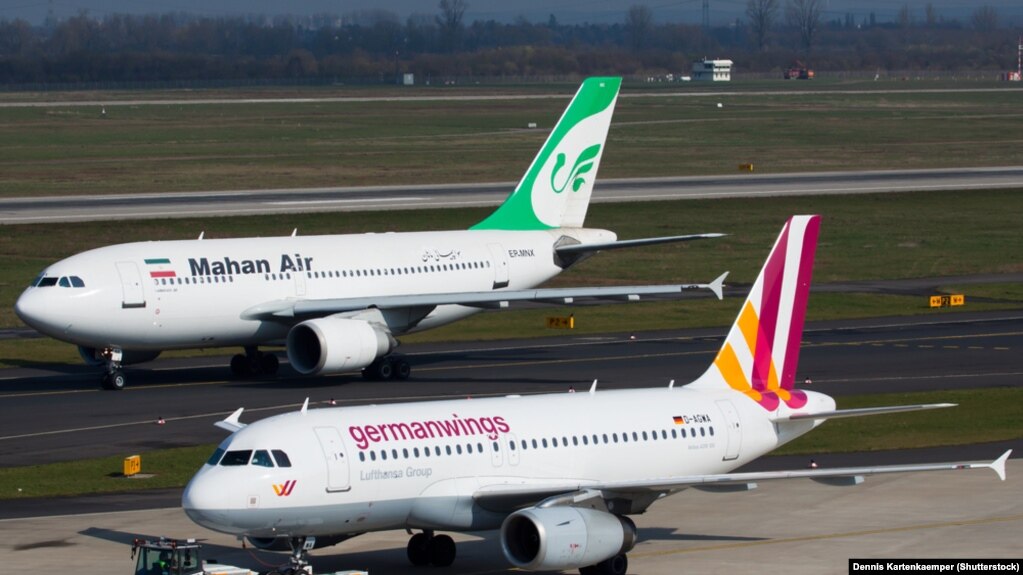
(500, 258)
(733, 432)
(131, 285)
(337, 460)
(299, 284)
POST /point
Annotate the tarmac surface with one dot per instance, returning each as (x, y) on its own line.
(793, 527)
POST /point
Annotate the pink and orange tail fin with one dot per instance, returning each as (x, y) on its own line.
(760, 355)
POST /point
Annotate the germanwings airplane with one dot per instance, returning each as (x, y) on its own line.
(337, 302)
(558, 474)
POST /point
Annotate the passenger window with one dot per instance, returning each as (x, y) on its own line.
(282, 458)
(383, 454)
(458, 448)
(711, 430)
(215, 458)
(362, 456)
(404, 452)
(232, 458)
(372, 455)
(683, 432)
(262, 458)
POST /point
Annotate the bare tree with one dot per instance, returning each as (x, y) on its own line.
(638, 24)
(805, 15)
(931, 15)
(985, 18)
(450, 23)
(762, 15)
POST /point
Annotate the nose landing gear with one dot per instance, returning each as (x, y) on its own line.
(113, 378)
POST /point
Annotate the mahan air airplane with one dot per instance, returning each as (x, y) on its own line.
(557, 474)
(338, 302)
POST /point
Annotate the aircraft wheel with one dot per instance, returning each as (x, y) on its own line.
(442, 551)
(240, 365)
(114, 380)
(384, 369)
(268, 363)
(419, 549)
(617, 565)
(402, 370)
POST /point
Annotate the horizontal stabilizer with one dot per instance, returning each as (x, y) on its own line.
(231, 422)
(587, 248)
(840, 413)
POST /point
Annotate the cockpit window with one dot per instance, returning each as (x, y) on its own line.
(237, 457)
(262, 459)
(282, 458)
(215, 458)
(76, 282)
(46, 281)
(64, 282)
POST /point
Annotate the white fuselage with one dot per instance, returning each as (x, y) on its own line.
(195, 293)
(358, 469)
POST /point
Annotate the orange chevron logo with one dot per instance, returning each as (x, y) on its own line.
(284, 489)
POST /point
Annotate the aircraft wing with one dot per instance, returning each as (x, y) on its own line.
(506, 497)
(498, 299)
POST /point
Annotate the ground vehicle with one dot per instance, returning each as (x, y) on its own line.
(173, 557)
(798, 72)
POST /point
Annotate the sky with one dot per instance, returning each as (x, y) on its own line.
(566, 11)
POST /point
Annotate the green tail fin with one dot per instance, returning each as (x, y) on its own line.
(555, 191)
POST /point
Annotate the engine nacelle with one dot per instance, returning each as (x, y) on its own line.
(91, 356)
(336, 344)
(554, 538)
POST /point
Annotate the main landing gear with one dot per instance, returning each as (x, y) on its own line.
(617, 565)
(113, 378)
(254, 363)
(388, 367)
(428, 549)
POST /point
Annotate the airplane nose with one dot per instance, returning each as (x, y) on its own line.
(202, 505)
(32, 309)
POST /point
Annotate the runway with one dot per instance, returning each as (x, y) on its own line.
(57, 413)
(344, 199)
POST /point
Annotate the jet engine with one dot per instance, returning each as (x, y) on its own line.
(92, 357)
(555, 538)
(336, 344)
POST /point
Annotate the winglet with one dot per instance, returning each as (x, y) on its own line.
(231, 422)
(717, 286)
(999, 464)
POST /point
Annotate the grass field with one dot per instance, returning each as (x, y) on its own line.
(131, 149)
